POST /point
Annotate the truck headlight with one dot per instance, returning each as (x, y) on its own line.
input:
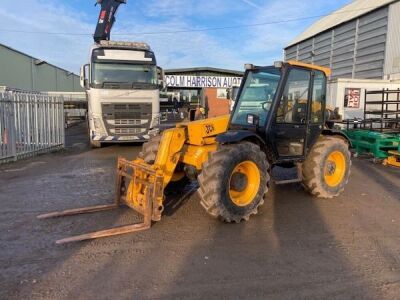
(155, 121)
(98, 126)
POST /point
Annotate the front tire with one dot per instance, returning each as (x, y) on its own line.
(150, 149)
(95, 144)
(326, 170)
(149, 154)
(234, 182)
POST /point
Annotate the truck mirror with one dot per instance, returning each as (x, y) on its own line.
(161, 76)
(161, 84)
(82, 77)
(84, 81)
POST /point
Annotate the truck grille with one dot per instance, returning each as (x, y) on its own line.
(130, 131)
(127, 119)
(128, 122)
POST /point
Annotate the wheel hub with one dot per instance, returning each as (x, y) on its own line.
(330, 168)
(239, 182)
(335, 168)
(244, 183)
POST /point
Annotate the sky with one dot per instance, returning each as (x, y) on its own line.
(60, 31)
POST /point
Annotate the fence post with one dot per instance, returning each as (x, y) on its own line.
(13, 130)
(62, 125)
(30, 123)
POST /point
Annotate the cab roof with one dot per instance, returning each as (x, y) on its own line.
(326, 70)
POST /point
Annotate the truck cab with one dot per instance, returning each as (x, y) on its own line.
(122, 83)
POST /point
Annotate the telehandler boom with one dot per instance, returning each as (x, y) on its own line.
(279, 119)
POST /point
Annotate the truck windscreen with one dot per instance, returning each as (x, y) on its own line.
(123, 75)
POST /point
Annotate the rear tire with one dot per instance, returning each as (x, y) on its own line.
(326, 170)
(234, 182)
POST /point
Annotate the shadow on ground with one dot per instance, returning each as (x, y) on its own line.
(296, 247)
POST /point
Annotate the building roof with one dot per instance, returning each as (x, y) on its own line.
(37, 59)
(204, 69)
(347, 13)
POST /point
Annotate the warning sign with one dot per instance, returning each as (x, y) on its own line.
(352, 98)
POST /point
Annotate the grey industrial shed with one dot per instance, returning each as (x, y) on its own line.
(21, 71)
(360, 40)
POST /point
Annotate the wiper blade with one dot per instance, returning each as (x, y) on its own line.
(142, 84)
(112, 84)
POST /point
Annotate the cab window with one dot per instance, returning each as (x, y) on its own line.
(293, 105)
(318, 98)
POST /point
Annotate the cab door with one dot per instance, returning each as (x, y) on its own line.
(288, 134)
(317, 108)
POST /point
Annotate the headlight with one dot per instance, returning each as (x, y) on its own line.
(155, 121)
(98, 126)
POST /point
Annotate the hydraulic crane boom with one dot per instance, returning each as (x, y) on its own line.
(106, 19)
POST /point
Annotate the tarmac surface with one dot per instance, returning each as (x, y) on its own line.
(297, 247)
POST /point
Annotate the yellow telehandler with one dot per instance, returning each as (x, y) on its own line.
(279, 119)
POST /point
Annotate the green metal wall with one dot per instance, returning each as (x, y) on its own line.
(18, 70)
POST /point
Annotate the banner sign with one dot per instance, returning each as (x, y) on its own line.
(201, 81)
(352, 98)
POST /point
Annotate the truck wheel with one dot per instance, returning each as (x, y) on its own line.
(149, 154)
(234, 181)
(95, 144)
(326, 170)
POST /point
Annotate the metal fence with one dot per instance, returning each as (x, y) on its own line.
(75, 107)
(30, 123)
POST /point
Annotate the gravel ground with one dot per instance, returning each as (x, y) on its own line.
(297, 247)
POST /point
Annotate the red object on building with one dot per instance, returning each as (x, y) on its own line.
(218, 104)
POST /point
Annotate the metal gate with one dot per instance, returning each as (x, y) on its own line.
(30, 123)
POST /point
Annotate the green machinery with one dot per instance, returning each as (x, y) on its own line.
(378, 133)
(376, 143)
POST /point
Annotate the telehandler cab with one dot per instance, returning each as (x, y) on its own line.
(279, 119)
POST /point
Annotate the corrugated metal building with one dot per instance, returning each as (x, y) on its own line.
(21, 71)
(360, 40)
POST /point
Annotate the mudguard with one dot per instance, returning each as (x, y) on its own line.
(339, 133)
(235, 136)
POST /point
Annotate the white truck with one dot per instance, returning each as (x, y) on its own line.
(122, 83)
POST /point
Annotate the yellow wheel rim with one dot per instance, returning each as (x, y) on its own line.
(335, 168)
(244, 183)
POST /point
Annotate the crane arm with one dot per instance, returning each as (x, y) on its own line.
(106, 19)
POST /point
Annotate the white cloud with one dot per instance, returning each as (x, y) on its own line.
(172, 50)
(266, 43)
(62, 50)
(184, 8)
(251, 3)
(220, 48)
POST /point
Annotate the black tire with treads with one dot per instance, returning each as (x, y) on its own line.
(150, 149)
(314, 167)
(149, 154)
(214, 181)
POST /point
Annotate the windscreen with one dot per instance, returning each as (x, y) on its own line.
(124, 75)
(257, 95)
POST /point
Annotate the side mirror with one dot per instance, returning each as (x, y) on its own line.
(84, 81)
(82, 77)
(161, 84)
(160, 77)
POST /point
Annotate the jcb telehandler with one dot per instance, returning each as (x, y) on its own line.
(279, 119)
